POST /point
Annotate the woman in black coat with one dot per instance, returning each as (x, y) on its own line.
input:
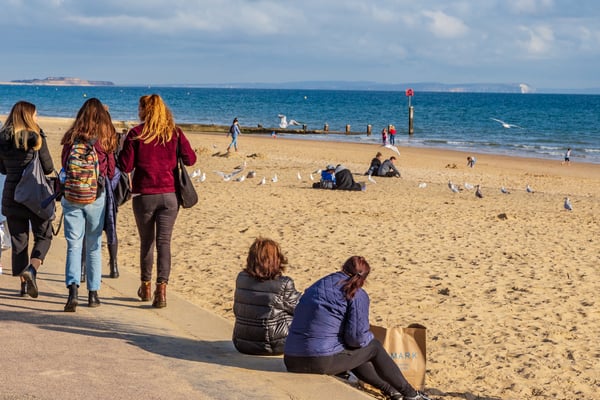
(20, 138)
(264, 301)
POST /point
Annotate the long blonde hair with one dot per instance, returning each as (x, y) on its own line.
(157, 118)
(20, 122)
(93, 122)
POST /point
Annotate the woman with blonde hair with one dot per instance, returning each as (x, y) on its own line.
(150, 150)
(90, 140)
(264, 301)
(20, 138)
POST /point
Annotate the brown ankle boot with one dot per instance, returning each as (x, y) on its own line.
(160, 295)
(145, 291)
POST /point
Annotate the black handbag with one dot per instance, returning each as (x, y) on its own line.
(122, 190)
(184, 187)
(34, 189)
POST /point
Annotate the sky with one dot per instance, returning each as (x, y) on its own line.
(543, 43)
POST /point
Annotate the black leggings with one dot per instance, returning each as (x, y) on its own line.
(155, 216)
(371, 364)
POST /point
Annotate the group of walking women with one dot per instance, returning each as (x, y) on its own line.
(149, 152)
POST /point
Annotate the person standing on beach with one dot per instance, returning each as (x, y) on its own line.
(392, 135)
(330, 334)
(264, 301)
(567, 157)
(384, 133)
(88, 151)
(20, 138)
(234, 131)
(471, 161)
(151, 149)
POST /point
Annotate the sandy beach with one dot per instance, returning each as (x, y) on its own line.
(507, 285)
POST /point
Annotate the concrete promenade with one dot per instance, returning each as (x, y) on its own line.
(125, 349)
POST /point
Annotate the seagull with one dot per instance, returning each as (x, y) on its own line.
(529, 189)
(312, 178)
(422, 185)
(318, 171)
(299, 176)
(283, 122)
(263, 181)
(227, 177)
(274, 178)
(468, 186)
(504, 190)
(371, 179)
(478, 192)
(202, 177)
(505, 124)
(453, 187)
(241, 178)
(251, 174)
(568, 205)
(392, 147)
(196, 173)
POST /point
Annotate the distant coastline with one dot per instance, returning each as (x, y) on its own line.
(58, 81)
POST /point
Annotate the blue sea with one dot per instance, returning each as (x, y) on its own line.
(548, 123)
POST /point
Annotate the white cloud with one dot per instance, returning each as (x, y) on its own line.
(540, 41)
(445, 26)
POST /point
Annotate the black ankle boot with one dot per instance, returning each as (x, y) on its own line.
(29, 274)
(112, 254)
(72, 301)
(93, 300)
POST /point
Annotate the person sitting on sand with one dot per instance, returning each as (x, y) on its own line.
(375, 164)
(264, 301)
(345, 181)
(330, 334)
(327, 179)
(388, 168)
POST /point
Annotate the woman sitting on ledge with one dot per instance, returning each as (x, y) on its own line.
(330, 334)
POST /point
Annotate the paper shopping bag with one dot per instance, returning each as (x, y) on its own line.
(407, 347)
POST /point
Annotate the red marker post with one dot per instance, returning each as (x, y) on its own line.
(411, 112)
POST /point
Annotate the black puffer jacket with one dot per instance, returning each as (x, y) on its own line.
(12, 164)
(263, 313)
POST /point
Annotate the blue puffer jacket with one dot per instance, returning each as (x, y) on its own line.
(325, 323)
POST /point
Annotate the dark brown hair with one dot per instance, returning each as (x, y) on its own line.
(92, 123)
(265, 260)
(357, 269)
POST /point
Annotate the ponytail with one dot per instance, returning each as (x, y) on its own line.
(357, 269)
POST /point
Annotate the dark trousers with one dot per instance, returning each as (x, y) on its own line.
(155, 216)
(371, 364)
(19, 236)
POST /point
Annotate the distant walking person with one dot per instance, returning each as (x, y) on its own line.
(88, 164)
(471, 161)
(151, 150)
(20, 138)
(234, 131)
(567, 157)
(384, 135)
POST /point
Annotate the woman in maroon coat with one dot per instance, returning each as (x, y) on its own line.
(150, 151)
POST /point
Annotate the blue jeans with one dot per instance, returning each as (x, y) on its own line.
(84, 220)
(233, 142)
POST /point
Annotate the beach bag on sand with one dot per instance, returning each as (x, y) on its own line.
(407, 347)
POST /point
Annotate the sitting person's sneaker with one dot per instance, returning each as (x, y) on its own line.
(419, 396)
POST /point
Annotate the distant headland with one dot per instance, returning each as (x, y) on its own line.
(59, 81)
